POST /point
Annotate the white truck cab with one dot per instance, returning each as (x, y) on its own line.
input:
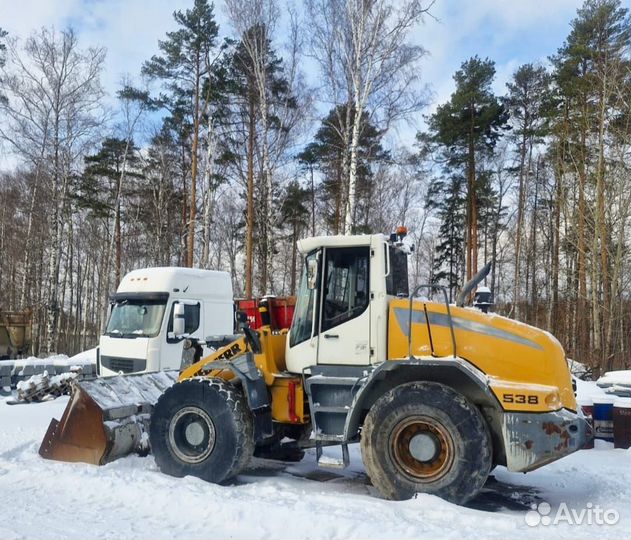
(139, 336)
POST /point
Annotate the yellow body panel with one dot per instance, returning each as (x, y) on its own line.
(287, 409)
(287, 405)
(271, 361)
(526, 367)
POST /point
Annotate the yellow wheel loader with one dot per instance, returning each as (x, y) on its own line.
(436, 394)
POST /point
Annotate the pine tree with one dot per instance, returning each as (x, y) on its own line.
(159, 197)
(465, 130)
(330, 150)
(448, 198)
(529, 96)
(98, 189)
(185, 66)
(258, 130)
(590, 70)
(295, 214)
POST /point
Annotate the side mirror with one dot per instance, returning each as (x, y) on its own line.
(312, 274)
(241, 319)
(178, 320)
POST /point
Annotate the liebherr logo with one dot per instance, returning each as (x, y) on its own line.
(592, 514)
(229, 353)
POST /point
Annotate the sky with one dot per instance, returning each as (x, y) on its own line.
(510, 32)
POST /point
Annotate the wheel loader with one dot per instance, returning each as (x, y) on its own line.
(436, 394)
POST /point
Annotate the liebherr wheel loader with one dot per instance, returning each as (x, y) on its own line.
(436, 394)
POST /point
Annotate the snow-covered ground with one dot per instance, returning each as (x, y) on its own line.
(130, 498)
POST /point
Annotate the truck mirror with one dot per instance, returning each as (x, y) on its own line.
(242, 317)
(178, 319)
(312, 273)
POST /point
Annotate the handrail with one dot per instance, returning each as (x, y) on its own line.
(431, 287)
(387, 246)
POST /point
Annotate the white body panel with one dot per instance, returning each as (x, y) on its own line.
(211, 289)
(361, 340)
(346, 344)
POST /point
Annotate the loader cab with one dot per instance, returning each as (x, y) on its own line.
(342, 302)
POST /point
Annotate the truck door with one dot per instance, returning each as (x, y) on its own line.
(193, 326)
(344, 334)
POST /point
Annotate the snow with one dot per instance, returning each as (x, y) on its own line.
(622, 403)
(616, 383)
(622, 378)
(85, 357)
(577, 368)
(130, 498)
(57, 360)
(42, 378)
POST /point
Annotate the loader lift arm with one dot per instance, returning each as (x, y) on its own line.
(96, 428)
(249, 341)
(236, 360)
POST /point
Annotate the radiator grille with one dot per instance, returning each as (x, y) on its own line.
(126, 365)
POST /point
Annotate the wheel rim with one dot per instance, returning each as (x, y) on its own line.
(421, 448)
(192, 434)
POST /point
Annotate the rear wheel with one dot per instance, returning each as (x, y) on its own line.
(202, 427)
(425, 437)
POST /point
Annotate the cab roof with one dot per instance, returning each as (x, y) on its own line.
(185, 281)
(307, 245)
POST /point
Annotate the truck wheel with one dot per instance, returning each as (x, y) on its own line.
(202, 427)
(425, 437)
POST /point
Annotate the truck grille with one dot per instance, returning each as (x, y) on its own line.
(126, 365)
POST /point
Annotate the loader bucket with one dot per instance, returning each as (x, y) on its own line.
(106, 418)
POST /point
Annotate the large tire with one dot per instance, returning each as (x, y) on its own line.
(202, 427)
(425, 437)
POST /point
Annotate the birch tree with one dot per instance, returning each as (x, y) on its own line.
(53, 106)
(365, 57)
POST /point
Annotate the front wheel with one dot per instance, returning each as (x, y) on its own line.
(202, 427)
(425, 437)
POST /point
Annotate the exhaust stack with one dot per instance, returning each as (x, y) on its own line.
(472, 283)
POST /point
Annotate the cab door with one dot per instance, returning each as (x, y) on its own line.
(172, 347)
(344, 321)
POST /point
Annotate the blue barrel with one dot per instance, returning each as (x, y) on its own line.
(603, 418)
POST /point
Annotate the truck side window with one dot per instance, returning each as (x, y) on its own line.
(191, 318)
(347, 285)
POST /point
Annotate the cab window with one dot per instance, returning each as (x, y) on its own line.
(346, 285)
(191, 318)
(397, 280)
(302, 323)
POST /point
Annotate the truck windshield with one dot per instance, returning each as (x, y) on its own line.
(135, 318)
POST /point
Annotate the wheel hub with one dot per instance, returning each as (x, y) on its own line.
(194, 433)
(191, 434)
(424, 446)
(421, 448)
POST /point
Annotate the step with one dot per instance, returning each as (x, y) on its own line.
(329, 462)
(331, 391)
(330, 409)
(321, 379)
